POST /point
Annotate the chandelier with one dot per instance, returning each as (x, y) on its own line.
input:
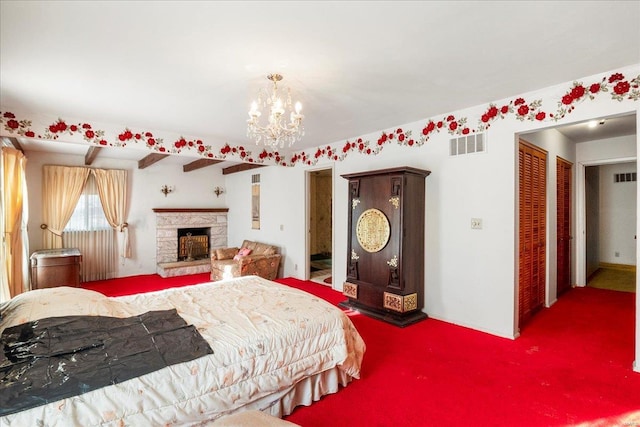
(277, 132)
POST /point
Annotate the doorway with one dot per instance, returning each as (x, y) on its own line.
(610, 216)
(320, 220)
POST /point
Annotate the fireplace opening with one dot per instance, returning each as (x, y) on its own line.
(193, 243)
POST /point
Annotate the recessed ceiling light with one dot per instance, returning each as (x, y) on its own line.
(595, 123)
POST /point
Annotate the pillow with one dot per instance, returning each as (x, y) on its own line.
(227, 253)
(270, 251)
(242, 253)
(249, 244)
(58, 301)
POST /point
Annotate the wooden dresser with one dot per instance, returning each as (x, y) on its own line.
(55, 267)
(385, 254)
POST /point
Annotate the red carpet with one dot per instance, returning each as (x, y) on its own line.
(144, 283)
(572, 365)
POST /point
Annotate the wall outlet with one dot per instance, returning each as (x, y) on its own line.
(295, 267)
(616, 254)
(476, 223)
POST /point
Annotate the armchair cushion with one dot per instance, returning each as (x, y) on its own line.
(227, 253)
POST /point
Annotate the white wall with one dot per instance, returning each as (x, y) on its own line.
(617, 229)
(282, 212)
(605, 151)
(192, 189)
(592, 220)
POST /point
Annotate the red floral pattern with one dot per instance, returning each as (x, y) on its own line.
(19, 127)
(619, 86)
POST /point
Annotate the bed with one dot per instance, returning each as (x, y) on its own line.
(274, 348)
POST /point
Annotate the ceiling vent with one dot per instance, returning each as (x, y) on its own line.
(624, 177)
(467, 144)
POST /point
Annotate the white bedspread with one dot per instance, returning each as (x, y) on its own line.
(265, 338)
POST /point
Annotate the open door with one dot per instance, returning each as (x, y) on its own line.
(320, 220)
(563, 224)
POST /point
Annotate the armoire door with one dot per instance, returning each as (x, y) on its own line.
(532, 230)
(563, 186)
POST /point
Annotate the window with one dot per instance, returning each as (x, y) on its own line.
(89, 231)
(88, 214)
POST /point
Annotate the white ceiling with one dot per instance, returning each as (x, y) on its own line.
(358, 67)
(604, 128)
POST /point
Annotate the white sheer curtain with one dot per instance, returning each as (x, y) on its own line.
(89, 231)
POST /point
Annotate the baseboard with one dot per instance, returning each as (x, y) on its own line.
(623, 267)
(477, 328)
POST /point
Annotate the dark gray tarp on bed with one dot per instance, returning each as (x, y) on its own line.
(58, 357)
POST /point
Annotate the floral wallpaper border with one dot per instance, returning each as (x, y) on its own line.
(616, 86)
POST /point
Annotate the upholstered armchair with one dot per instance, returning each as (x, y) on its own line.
(253, 258)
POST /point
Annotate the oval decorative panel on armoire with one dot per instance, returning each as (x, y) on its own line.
(385, 264)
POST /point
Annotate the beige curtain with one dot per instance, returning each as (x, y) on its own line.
(13, 247)
(112, 189)
(61, 189)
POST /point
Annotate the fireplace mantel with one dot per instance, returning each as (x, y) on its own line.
(180, 210)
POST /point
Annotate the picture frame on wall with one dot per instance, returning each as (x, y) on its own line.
(255, 202)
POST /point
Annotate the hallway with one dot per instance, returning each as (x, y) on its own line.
(614, 277)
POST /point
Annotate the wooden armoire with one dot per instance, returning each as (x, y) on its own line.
(385, 253)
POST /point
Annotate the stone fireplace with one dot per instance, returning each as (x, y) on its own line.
(185, 237)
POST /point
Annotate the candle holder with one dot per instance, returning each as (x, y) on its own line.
(166, 189)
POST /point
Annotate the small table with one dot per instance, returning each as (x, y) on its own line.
(55, 267)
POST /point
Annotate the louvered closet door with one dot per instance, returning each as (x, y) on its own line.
(563, 187)
(532, 225)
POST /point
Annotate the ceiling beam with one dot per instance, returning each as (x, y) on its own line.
(240, 168)
(91, 155)
(200, 163)
(150, 159)
(15, 143)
